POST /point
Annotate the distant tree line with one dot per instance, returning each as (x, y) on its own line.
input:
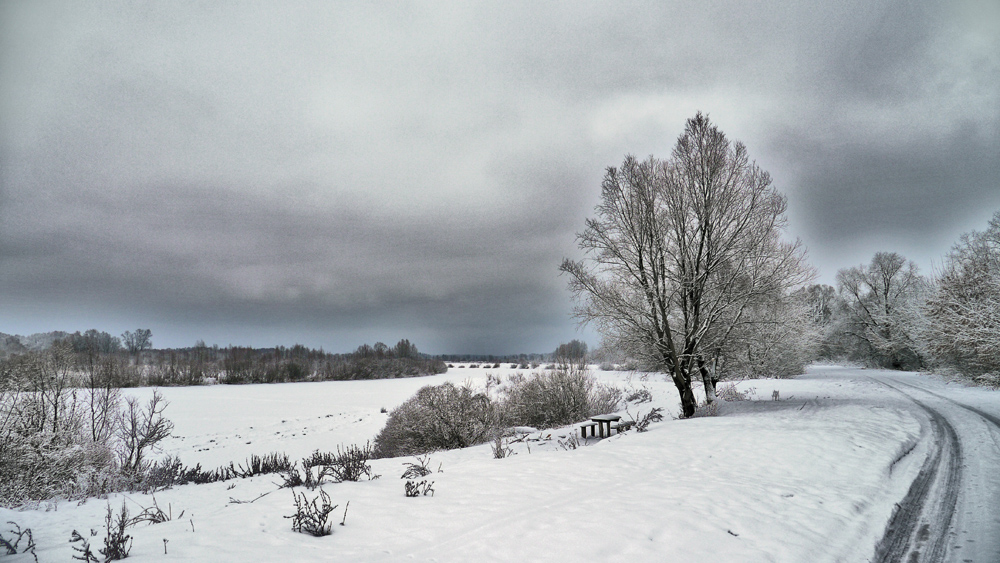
(96, 358)
(493, 358)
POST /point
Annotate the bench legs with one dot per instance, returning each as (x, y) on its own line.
(602, 428)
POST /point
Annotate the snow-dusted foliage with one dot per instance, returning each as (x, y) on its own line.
(779, 338)
(61, 441)
(881, 315)
(963, 331)
(564, 395)
(440, 417)
(446, 416)
(46, 445)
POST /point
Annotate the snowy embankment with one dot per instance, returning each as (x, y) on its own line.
(808, 477)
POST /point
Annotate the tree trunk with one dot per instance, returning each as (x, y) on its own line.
(688, 403)
(709, 382)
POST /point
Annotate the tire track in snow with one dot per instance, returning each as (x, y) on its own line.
(918, 529)
(995, 420)
(976, 528)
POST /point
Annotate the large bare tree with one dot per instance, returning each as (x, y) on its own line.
(679, 253)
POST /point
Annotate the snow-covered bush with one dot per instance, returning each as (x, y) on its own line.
(440, 417)
(557, 397)
(58, 441)
(963, 312)
(46, 448)
(47, 465)
(446, 417)
(989, 380)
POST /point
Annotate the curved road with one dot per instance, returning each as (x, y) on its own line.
(951, 511)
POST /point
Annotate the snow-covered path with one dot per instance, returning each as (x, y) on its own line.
(950, 512)
(811, 476)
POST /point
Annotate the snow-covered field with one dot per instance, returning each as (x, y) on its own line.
(808, 477)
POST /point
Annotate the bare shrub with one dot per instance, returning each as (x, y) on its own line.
(416, 489)
(418, 469)
(292, 478)
(167, 472)
(557, 397)
(729, 392)
(11, 545)
(83, 551)
(154, 515)
(273, 462)
(117, 543)
(349, 464)
(501, 448)
(140, 430)
(438, 417)
(641, 395)
(311, 517)
(642, 422)
(572, 442)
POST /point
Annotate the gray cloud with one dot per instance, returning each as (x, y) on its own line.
(332, 174)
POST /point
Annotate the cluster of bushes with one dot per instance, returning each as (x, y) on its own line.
(170, 471)
(58, 441)
(347, 464)
(448, 416)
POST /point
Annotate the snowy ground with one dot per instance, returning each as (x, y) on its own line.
(812, 476)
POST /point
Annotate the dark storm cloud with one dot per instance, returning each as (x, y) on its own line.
(900, 149)
(333, 174)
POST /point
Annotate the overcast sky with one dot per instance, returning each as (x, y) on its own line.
(332, 174)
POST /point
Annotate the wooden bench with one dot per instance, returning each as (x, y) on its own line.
(585, 426)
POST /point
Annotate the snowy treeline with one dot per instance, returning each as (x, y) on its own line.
(135, 363)
(887, 314)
